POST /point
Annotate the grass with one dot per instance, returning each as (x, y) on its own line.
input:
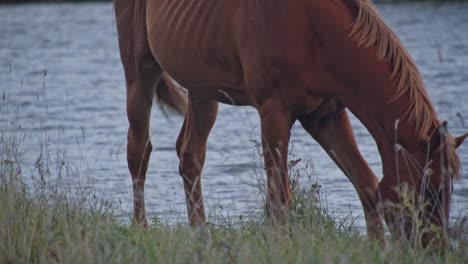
(47, 225)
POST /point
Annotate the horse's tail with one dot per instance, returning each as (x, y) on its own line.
(171, 96)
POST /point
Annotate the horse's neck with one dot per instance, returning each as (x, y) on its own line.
(384, 70)
(392, 129)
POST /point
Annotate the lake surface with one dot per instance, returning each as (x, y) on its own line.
(61, 80)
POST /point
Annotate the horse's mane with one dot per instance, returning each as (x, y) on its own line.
(369, 29)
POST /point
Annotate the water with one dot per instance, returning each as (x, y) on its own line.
(62, 80)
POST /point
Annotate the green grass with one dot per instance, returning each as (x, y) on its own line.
(44, 230)
(46, 225)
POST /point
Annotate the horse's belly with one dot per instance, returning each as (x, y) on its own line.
(198, 70)
(205, 74)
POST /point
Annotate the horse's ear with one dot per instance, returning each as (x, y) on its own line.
(439, 137)
(459, 140)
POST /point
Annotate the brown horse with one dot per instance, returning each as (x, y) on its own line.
(303, 60)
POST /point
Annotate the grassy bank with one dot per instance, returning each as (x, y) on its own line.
(45, 225)
(47, 230)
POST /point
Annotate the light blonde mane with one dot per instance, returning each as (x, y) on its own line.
(369, 29)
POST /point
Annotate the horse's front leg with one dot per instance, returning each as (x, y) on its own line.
(330, 126)
(276, 122)
(191, 149)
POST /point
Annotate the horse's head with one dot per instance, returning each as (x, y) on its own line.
(416, 204)
(436, 185)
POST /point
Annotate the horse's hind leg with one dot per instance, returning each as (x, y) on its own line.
(330, 126)
(191, 149)
(141, 73)
(139, 145)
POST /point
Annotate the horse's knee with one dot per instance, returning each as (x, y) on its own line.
(186, 164)
(189, 165)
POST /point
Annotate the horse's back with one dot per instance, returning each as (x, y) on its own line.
(224, 43)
